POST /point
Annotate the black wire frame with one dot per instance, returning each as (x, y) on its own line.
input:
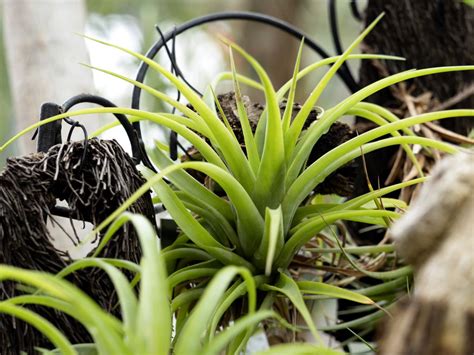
(343, 73)
(138, 149)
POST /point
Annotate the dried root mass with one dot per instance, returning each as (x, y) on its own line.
(94, 179)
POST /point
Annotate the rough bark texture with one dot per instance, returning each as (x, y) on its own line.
(427, 33)
(436, 236)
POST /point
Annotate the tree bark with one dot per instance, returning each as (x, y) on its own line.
(427, 33)
(436, 237)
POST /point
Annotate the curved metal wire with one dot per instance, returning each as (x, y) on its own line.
(173, 138)
(336, 39)
(172, 57)
(75, 124)
(232, 15)
(174, 142)
(335, 36)
(138, 149)
(355, 11)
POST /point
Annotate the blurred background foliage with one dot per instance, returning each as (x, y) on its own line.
(199, 54)
(6, 119)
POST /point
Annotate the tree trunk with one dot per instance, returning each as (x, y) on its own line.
(427, 33)
(43, 55)
(436, 237)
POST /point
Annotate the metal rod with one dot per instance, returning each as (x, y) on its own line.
(337, 39)
(49, 134)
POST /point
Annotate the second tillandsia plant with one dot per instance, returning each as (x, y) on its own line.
(267, 218)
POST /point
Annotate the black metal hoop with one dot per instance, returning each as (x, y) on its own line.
(334, 28)
(355, 11)
(344, 74)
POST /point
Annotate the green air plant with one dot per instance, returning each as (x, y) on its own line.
(268, 218)
(146, 326)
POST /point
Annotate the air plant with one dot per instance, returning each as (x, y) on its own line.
(269, 220)
(146, 325)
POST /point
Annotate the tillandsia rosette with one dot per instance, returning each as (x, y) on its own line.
(341, 182)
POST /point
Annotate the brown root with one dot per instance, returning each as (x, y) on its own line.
(93, 184)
